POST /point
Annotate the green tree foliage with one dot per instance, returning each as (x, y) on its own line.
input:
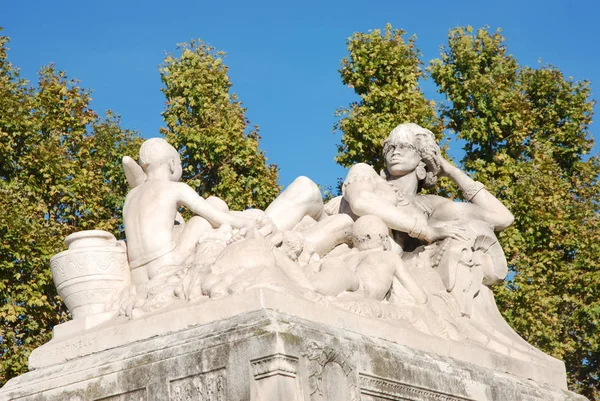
(60, 172)
(526, 138)
(384, 70)
(208, 126)
(527, 134)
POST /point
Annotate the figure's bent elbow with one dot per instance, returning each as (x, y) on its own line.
(505, 221)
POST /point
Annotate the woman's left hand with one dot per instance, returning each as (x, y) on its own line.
(446, 168)
(454, 231)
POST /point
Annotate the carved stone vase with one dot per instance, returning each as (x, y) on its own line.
(91, 273)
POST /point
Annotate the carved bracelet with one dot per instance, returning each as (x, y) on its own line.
(473, 190)
(417, 230)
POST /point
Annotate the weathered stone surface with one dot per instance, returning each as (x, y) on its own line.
(264, 345)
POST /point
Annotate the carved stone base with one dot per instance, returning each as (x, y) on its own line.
(269, 346)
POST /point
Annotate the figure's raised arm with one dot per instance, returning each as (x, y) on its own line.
(488, 207)
(189, 198)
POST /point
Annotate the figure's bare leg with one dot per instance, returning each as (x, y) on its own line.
(329, 232)
(188, 239)
(301, 198)
(409, 283)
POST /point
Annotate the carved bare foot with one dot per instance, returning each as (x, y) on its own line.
(238, 236)
(292, 244)
(308, 255)
(298, 249)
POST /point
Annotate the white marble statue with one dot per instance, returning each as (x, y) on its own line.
(381, 249)
(367, 269)
(150, 210)
(383, 292)
(413, 161)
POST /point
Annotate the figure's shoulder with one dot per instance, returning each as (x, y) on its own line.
(132, 194)
(158, 189)
(382, 256)
(178, 189)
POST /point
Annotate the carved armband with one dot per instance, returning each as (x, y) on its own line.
(473, 190)
(417, 231)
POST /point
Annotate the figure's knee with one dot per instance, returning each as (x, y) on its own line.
(187, 241)
(301, 198)
(303, 188)
(196, 225)
(303, 181)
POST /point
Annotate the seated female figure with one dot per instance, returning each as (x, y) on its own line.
(413, 162)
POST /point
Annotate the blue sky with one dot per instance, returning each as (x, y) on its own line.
(283, 56)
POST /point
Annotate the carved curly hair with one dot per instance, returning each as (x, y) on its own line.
(426, 146)
(155, 151)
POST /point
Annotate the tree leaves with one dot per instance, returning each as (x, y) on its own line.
(208, 126)
(526, 134)
(383, 68)
(60, 172)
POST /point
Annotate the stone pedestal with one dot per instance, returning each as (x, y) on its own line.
(268, 346)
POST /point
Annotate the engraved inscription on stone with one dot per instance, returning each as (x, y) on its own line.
(72, 348)
(208, 386)
(136, 395)
(376, 388)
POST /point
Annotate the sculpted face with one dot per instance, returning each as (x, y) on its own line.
(402, 157)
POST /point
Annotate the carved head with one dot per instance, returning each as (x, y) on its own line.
(369, 232)
(408, 148)
(156, 152)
